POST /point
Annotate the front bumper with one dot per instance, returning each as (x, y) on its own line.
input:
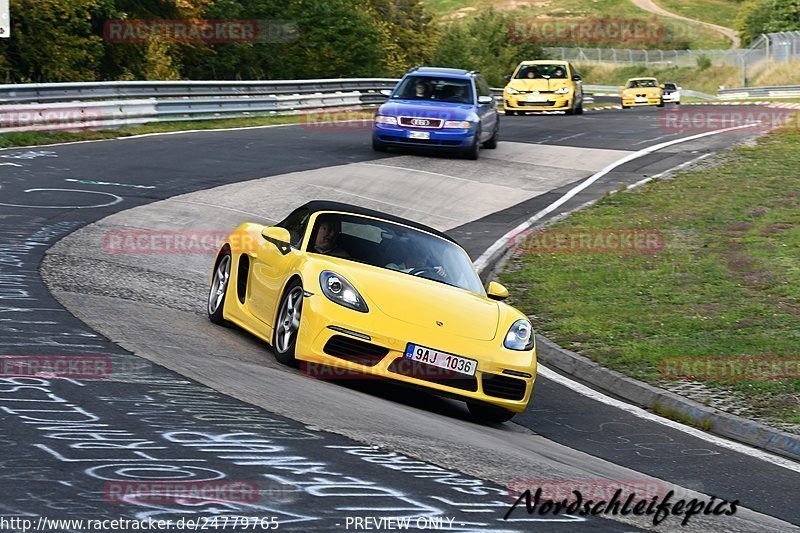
(439, 138)
(631, 101)
(326, 341)
(553, 102)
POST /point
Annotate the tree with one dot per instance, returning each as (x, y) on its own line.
(764, 16)
(483, 43)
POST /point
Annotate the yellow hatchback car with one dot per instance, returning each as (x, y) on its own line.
(343, 291)
(543, 86)
(642, 92)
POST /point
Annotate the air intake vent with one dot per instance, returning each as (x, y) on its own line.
(354, 350)
(503, 387)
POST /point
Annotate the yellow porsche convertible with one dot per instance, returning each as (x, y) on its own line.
(642, 92)
(351, 288)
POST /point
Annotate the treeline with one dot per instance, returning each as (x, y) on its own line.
(766, 16)
(68, 40)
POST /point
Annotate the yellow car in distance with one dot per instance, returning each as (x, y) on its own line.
(543, 86)
(344, 291)
(642, 92)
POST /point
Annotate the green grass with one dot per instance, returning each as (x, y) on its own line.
(726, 283)
(34, 138)
(720, 12)
(676, 35)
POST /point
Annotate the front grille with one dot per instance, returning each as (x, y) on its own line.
(354, 350)
(537, 104)
(503, 387)
(421, 122)
(433, 374)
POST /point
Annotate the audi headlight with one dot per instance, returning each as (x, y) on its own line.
(511, 90)
(384, 119)
(457, 124)
(519, 336)
(563, 90)
(341, 291)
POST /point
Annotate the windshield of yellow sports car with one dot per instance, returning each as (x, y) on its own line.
(639, 84)
(393, 247)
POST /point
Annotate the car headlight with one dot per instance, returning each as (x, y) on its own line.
(384, 119)
(341, 291)
(519, 336)
(511, 90)
(458, 124)
(563, 90)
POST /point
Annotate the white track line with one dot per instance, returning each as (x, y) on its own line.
(646, 415)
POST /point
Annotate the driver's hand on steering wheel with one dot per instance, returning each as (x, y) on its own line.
(440, 270)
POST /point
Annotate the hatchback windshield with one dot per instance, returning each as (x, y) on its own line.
(533, 72)
(394, 247)
(457, 91)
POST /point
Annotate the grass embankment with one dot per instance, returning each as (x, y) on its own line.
(725, 284)
(720, 12)
(35, 138)
(676, 34)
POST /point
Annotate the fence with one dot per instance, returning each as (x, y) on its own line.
(769, 48)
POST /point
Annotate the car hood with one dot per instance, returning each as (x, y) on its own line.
(424, 302)
(539, 84)
(421, 108)
(653, 91)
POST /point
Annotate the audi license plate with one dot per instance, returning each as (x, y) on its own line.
(445, 360)
(419, 134)
(536, 99)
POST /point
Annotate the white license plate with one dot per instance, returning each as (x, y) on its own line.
(641, 101)
(536, 99)
(445, 360)
(419, 134)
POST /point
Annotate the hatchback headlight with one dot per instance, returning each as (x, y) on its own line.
(339, 290)
(511, 90)
(519, 336)
(563, 90)
(384, 119)
(458, 124)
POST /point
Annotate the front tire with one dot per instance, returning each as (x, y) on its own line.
(579, 109)
(661, 103)
(473, 152)
(378, 146)
(219, 288)
(489, 413)
(287, 324)
(491, 144)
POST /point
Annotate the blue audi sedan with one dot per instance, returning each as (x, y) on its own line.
(439, 108)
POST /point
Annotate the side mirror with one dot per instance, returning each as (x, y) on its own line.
(496, 291)
(680, 88)
(576, 77)
(279, 237)
(507, 77)
(485, 99)
(386, 92)
(622, 87)
(662, 86)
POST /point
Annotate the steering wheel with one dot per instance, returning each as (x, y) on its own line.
(422, 270)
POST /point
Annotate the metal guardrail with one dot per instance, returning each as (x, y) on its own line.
(786, 91)
(117, 90)
(77, 106)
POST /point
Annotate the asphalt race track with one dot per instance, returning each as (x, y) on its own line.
(191, 401)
